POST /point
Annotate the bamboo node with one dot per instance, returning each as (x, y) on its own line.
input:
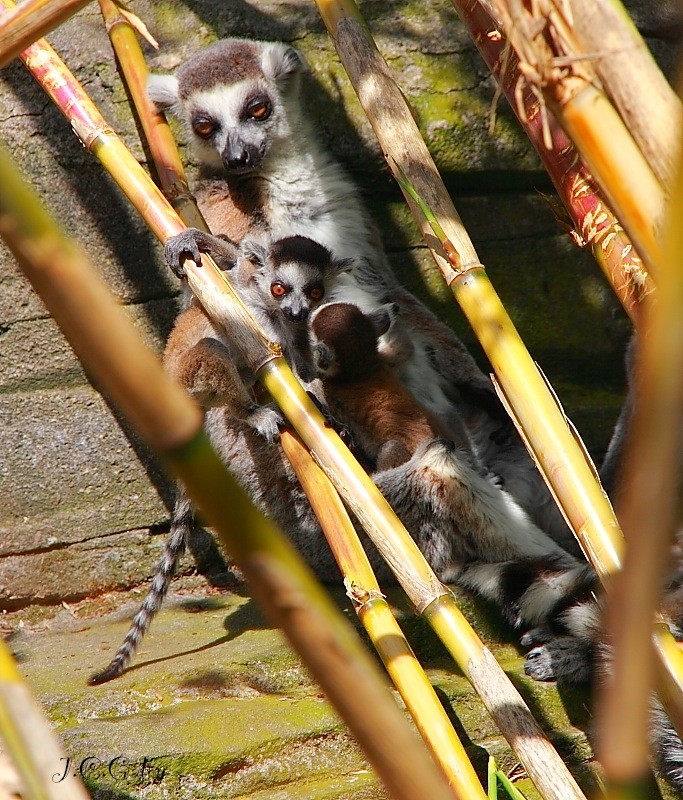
(359, 595)
(89, 134)
(178, 190)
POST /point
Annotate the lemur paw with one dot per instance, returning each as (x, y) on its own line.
(178, 248)
(564, 658)
(267, 421)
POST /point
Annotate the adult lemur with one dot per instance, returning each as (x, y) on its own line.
(264, 168)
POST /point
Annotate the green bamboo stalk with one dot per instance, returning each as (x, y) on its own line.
(595, 224)
(170, 422)
(378, 620)
(30, 741)
(556, 451)
(30, 21)
(648, 510)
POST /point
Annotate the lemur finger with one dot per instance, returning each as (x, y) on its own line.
(178, 248)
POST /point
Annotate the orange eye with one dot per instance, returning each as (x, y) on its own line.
(205, 128)
(316, 293)
(259, 110)
(278, 289)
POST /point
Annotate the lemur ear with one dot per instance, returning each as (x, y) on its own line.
(256, 252)
(280, 62)
(162, 90)
(383, 317)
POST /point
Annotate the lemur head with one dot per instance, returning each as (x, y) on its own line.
(235, 99)
(291, 275)
(344, 340)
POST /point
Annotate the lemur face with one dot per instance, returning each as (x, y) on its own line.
(292, 275)
(233, 99)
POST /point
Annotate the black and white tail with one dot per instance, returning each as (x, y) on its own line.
(174, 548)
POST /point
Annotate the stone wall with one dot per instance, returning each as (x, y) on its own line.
(83, 505)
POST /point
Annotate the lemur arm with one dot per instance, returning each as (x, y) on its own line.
(191, 243)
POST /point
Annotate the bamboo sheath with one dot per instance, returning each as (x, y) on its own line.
(378, 620)
(594, 222)
(630, 75)
(30, 741)
(114, 354)
(29, 21)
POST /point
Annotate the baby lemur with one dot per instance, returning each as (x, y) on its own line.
(281, 282)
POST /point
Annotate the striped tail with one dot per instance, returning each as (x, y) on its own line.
(174, 548)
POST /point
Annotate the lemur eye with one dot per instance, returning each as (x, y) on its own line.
(259, 108)
(316, 293)
(203, 127)
(278, 289)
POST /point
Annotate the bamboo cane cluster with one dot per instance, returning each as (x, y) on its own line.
(547, 70)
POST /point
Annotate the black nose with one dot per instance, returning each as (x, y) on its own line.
(238, 158)
(297, 315)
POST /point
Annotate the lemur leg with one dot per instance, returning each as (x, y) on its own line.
(205, 367)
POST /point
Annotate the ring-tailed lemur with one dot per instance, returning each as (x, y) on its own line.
(263, 167)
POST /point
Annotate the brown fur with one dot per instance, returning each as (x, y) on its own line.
(225, 61)
(364, 393)
(204, 366)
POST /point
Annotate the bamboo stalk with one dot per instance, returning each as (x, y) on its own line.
(630, 75)
(364, 499)
(648, 506)
(553, 66)
(30, 21)
(30, 741)
(171, 423)
(594, 222)
(157, 131)
(378, 620)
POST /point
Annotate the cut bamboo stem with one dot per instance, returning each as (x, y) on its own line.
(30, 21)
(545, 45)
(557, 453)
(31, 742)
(171, 423)
(378, 620)
(594, 222)
(648, 506)
(644, 98)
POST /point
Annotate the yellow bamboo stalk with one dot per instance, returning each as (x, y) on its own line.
(30, 21)
(386, 531)
(570, 88)
(378, 620)
(158, 133)
(630, 75)
(648, 506)
(171, 423)
(30, 741)
(557, 453)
